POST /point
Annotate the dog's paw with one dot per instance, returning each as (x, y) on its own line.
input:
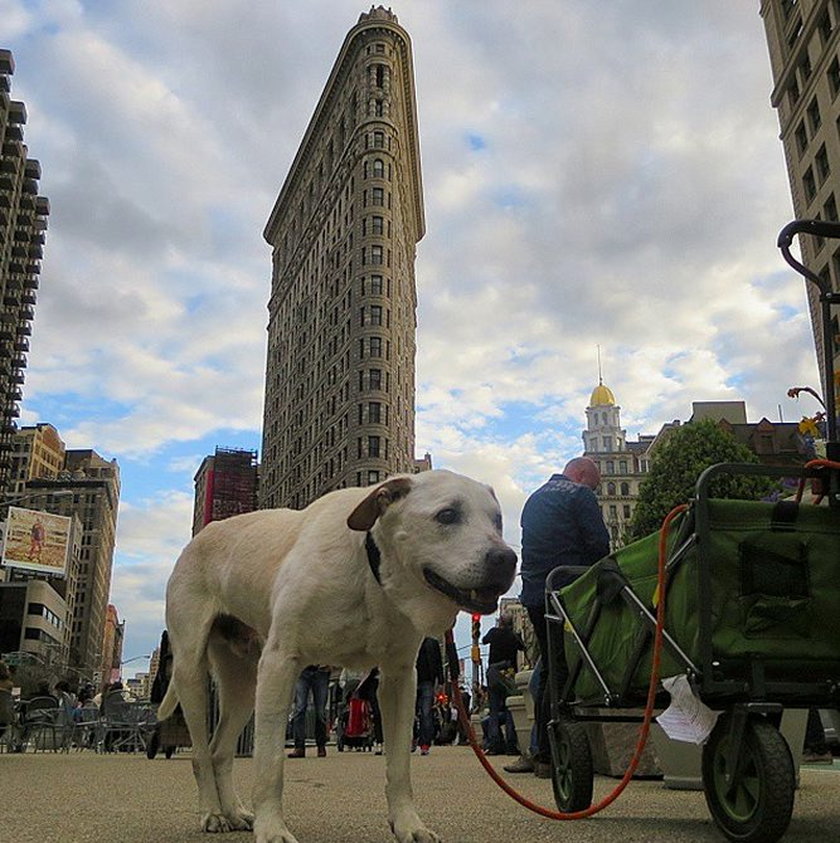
(414, 832)
(241, 820)
(273, 833)
(215, 824)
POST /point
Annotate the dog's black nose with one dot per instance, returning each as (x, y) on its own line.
(501, 563)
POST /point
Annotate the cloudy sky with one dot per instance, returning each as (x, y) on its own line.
(595, 174)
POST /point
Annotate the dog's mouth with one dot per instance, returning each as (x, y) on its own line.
(482, 600)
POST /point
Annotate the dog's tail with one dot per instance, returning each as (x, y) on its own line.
(168, 703)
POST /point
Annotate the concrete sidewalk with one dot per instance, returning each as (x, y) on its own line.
(81, 796)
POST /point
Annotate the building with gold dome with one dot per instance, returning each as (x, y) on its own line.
(623, 464)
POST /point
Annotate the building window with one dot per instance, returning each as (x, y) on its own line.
(375, 378)
(372, 477)
(373, 446)
(375, 346)
(375, 255)
(608, 446)
(375, 314)
(814, 117)
(625, 488)
(610, 467)
(821, 160)
(834, 77)
(377, 225)
(830, 209)
(793, 92)
(825, 27)
(627, 510)
(378, 140)
(809, 184)
(377, 196)
(611, 489)
(375, 412)
(801, 138)
(379, 75)
(378, 168)
(804, 68)
(376, 285)
(795, 32)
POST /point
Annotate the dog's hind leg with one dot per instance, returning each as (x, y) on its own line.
(189, 676)
(236, 681)
(278, 672)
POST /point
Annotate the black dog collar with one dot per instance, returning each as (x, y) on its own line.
(374, 557)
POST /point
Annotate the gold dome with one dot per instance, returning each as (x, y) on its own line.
(602, 397)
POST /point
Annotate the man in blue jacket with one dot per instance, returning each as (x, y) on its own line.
(561, 525)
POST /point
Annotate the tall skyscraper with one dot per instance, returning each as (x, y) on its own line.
(226, 484)
(803, 38)
(23, 221)
(339, 396)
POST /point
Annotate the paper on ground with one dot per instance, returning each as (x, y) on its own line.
(687, 718)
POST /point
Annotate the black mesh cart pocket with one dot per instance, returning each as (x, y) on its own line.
(774, 584)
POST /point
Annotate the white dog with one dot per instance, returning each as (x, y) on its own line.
(357, 579)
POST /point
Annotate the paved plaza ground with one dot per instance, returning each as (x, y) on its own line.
(118, 798)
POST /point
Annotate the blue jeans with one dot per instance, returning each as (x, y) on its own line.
(425, 702)
(316, 681)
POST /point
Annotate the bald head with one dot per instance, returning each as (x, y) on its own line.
(584, 471)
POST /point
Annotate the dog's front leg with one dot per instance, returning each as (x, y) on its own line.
(275, 679)
(397, 692)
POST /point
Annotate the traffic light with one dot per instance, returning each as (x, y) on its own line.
(476, 626)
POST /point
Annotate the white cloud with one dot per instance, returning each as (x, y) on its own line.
(590, 179)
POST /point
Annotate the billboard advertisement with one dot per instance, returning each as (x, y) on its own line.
(37, 541)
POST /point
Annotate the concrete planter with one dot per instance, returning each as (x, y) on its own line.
(521, 707)
(681, 762)
(613, 746)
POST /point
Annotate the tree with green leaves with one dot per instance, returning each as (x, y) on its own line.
(682, 458)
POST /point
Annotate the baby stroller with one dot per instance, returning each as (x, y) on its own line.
(355, 725)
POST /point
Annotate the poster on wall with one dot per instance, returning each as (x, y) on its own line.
(37, 541)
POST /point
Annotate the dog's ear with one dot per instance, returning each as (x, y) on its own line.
(364, 516)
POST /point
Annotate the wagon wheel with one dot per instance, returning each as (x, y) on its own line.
(756, 805)
(571, 773)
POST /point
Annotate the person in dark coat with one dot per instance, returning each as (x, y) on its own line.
(429, 678)
(505, 644)
(561, 524)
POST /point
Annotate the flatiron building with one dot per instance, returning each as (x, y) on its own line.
(339, 395)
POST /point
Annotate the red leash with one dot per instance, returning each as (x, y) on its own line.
(644, 729)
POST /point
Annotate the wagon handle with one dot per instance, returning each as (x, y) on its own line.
(817, 228)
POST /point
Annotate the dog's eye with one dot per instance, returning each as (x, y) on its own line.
(497, 521)
(448, 516)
